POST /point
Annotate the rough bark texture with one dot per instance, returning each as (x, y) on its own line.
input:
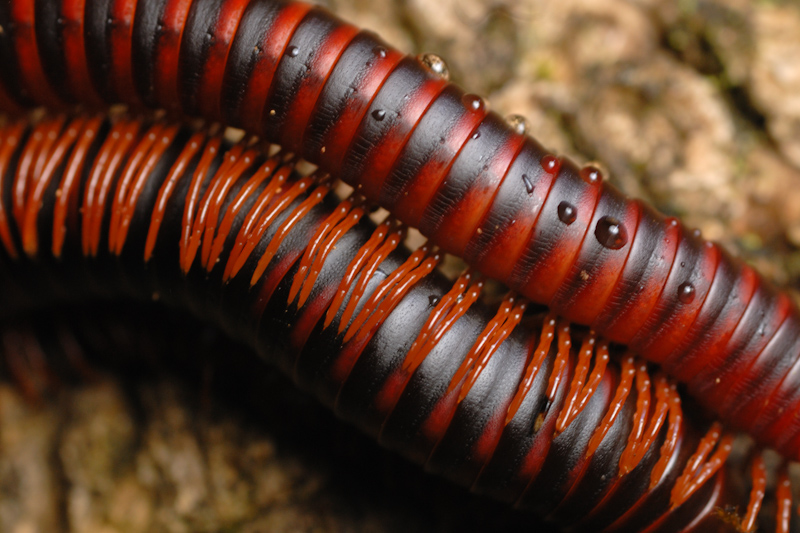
(693, 105)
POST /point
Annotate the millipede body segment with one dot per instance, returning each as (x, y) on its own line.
(519, 405)
(476, 186)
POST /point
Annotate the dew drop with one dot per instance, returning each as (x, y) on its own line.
(528, 183)
(567, 213)
(518, 123)
(591, 175)
(473, 102)
(380, 51)
(379, 114)
(611, 233)
(292, 51)
(686, 292)
(551, 164)
(476, 135)
(433, 300)
(435, 64)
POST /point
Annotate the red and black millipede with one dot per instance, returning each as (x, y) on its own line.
(407, 140)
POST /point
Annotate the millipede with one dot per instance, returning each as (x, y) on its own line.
(392, 127)
(523, 407)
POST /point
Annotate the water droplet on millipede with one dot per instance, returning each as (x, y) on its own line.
(686, 292)
(379, 114)
(591, 175)
(528, 183)
(611, 233)
(551, 164)
(567, 213)
(433, 300)
(435, 64)
(473, 102)
(518, 123)
(380, 51)
(292, 51)
(476, 135)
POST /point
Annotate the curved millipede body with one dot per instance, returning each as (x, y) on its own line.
(522, 407)
(431, 154)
